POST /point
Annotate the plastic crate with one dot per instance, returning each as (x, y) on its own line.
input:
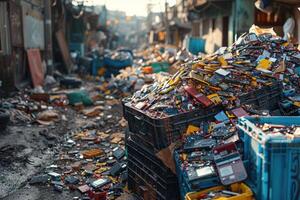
(148, 176)
(190, 186)
(117, 64)
(160, 67)
(113, 66)
(266, 97)
(147, 188)
(144, 157)
(111, 71)
(274, 160)
(97, 63)
(243, 189)
(161, 132)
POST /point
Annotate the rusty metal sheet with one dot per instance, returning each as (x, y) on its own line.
(35, 66)
(16, 24)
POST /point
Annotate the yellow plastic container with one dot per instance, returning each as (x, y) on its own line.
(243, 189)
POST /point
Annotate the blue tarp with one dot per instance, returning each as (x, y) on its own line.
(196, 45)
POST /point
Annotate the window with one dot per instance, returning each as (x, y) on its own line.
(273, 19)
(213, 24)
(1, 28)
(205, 27)
(1, 51)
(225, 24)
(196, 29)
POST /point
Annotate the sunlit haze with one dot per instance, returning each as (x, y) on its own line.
(133, 7)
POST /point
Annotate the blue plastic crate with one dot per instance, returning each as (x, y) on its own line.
(160, 67)
(118, 64)
(113, 67)
(190, 186)
(274, 159)
(96, 65)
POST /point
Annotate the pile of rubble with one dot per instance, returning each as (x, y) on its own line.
(89, 159)
(254, 62)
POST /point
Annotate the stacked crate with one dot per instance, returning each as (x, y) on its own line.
(147, 175)
(274, 159)
(148, 135)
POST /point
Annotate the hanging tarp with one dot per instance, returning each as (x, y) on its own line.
(33, 28)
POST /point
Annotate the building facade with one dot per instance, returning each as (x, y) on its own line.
(220, 22)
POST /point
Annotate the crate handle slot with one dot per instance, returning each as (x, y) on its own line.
(142, 133)
(138, 118)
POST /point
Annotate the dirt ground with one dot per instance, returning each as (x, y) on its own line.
(26, 150)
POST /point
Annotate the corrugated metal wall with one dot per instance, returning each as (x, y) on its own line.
(4, 30)
(33, 27)
(15, 16)
(6, 70)
(18, 53)
(13, 62)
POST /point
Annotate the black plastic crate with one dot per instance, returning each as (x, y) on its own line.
(161, 132)
(142, 190)
(142, 141)
(147, 188)
(145, 158)
(265, 98)
(148, 177)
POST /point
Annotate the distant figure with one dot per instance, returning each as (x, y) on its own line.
(288, 28)
(95, 40)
